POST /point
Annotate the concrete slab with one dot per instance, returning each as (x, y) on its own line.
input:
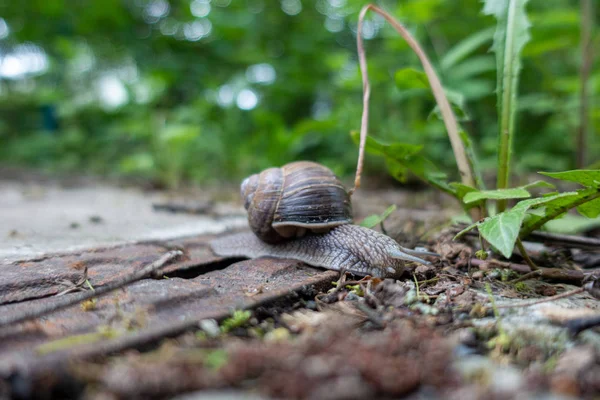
(37, 218)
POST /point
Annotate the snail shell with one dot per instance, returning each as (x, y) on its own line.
(286, 202)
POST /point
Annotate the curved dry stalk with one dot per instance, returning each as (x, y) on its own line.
(545, 300)
(464, 167)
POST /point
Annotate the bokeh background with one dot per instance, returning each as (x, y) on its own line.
(201, 91)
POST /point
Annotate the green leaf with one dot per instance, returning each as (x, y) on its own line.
(461, 189)
(572, 224)
(591, 209)
(470, 68)
(511, 35)
(514, 193)
(402, 157)
(554, 205)
(520, 192)
(465, 47)
(374, 220)
(410, 78)
(502, 230)
(539, 184)
(585, 177)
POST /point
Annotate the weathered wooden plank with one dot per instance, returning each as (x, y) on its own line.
(156, 307)
(47, 276)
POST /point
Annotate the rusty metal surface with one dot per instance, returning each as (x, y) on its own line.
(201, 287)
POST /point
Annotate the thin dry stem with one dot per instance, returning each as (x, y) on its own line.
(462, 161)
(546, 300)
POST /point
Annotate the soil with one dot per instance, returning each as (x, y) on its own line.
(462, 327)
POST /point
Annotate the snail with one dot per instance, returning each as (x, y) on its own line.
(298, 197)
(302, 211)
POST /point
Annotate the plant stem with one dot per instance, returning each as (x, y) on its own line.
(509, 86)
(587, 21)
(464, 167)
(525, 256)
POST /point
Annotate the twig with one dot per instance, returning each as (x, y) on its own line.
(462, 160)
(77, 286)
(371, 314)
(545, 300)
(553, 274)
(566, 240)
(521, 268)
(64, 302)
(533, 274)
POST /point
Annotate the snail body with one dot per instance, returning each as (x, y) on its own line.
(302, 211)
(287, 202)
(350, 248)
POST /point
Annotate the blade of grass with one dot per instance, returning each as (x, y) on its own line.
(465, 168)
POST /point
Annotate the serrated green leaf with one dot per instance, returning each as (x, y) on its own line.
(512, 33)
(374, 220)
(585, 177)
(502, 230)
(411, 78)
(514, 193)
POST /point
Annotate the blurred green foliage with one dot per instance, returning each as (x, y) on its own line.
(206, 90)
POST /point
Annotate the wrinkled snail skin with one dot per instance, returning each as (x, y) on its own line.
(350, 248)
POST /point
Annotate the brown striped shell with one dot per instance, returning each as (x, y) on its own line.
(286, 202)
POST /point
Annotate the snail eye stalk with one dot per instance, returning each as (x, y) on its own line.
(400, 255)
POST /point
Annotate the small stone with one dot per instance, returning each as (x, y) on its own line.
(277, 335)
(210, 327)
(351, 297)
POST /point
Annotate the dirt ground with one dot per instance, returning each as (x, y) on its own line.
(208, 328)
